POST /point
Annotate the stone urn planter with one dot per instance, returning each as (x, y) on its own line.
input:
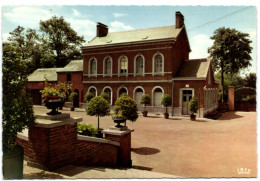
(193, 117)
(145, 113)
(119, 120)
(53, 102)
(166, 115)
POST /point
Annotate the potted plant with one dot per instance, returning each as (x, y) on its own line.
(193, 107)
(99, 107)
(126, 107)
(72, 98)
(166, 101)
(146, 99)
(118, 118)
(17, 111)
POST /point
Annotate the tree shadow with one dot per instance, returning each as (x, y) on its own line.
(142, 168)
(229, 115)
(145, 151)
(42, 175)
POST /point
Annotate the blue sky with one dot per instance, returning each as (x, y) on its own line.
(200, 21)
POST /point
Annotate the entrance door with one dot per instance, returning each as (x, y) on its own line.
(138, 96)
(186, 97)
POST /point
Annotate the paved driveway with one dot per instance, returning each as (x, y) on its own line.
(189, 148)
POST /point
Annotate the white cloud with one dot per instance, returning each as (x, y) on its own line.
(119, 26)
(27, 16)
(5, 36)
(118, 15)
(76, 13)
(199, 45)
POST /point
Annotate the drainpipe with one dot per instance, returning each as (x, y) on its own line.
(172, 95)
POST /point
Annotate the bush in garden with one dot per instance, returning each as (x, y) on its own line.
(105, 96)
(146, 99)
(193, 105)
(88, 96)
(87, 130)
(166, 101)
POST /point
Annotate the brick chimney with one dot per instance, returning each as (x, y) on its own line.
(179, 20)
(102, 30)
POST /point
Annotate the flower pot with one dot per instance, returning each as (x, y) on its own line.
(193, 117)
(53, 104)
(166, 115)
(100, 134)
(72, 108)
(118, 121)
(145, 114)
(13, 164)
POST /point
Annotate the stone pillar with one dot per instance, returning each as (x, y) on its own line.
(231, 98)
(123, 136)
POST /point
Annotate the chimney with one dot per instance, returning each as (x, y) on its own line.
(179, 20)
(102, 30)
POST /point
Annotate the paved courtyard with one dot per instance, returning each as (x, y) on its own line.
(189, 148)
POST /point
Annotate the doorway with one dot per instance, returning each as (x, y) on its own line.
(186, 97)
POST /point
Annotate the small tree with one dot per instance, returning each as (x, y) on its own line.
(98, 106)
(128, 107)
(193, 105)
(73, 97)
(146, 99)
(166, 101)
(105, 96)
(88, 96)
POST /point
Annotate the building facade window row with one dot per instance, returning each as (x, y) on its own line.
(123, 65)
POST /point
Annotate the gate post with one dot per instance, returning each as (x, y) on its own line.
(231, 98)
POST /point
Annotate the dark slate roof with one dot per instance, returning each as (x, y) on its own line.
(39, 75)
(73, 66)
(195, 68)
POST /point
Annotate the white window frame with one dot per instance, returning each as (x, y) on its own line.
(119, 66)
(135, 64)
(136, 89)
(93, 88)
(160, 73)
(180, 93)
(108, 87)
(118, 90)
(104, 66)
(89, 67)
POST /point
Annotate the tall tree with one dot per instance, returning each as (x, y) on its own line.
(251, 80)
(62, 40)
(230, 52)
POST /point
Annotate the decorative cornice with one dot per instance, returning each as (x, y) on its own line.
(189, 78)
(131, 81)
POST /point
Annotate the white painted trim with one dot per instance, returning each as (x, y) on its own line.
(137, 81)
(147, 73)
(120, 89)
(135, 74)
(119, 66)
(180, 95)
(104, 63)
(108, 87)
(93, 88)
(162, 73)
(97, 140)
(153, 93)
(189, 78)
(92, 75)
(137, 88)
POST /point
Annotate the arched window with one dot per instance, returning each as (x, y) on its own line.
(93, 90)
(157, 95)
(93, 66)
(139, 65)
(121, 90)
(108, 66)
(108, 91)
(158, 64)
(123, 65)
(138, 93)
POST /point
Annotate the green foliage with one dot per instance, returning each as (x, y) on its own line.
(193, 105)
(128, 107)
(250, 80)
(17, 106)
(98, 106)
(166, 101)
(251, 99)
(245, 94)
(88, 96)
(105, 96)
(73, 96)
(59, 89)
(62, 40)
(87, 130)
(146, 99)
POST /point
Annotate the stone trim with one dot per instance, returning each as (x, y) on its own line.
(115, 82)
(117, 132)
(97, 140)
(45, 123)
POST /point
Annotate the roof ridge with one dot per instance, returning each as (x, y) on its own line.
(140, 29)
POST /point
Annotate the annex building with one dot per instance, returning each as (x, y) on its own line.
(152, 61)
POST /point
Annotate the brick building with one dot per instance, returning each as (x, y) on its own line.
(152, 61)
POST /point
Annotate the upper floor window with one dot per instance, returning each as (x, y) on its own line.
(123, 65)
(108, 66)
(92, 66)
(139, 65)
(158, 64)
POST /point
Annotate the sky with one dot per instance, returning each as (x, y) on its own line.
(200, 21)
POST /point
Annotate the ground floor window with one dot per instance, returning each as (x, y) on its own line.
(138, 93)
(108, 91)
(122, 90)
(157, 96)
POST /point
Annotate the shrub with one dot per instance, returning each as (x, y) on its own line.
(98, 106)
(128, 107)
(87, 130)
(146, 99)
(193, 105)
(88, 96)
(105, 96)
(166, 101)
(73, 96)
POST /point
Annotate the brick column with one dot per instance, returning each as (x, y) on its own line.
(231, 98)
(123, 136)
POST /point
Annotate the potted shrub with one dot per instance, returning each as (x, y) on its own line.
(118, 118)
(193, 107)
(88, 96)
(99, 107)
(126, 107)
(105, 96)
(146, 99)
(166, 101)
(17, 111)
(72, 98)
